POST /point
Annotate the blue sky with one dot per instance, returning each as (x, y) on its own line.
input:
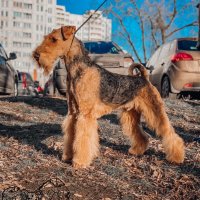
(189, 15)
(79, 6)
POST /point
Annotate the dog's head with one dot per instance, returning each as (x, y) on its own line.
(55, 45)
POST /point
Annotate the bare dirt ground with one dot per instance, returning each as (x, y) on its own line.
(31, 148)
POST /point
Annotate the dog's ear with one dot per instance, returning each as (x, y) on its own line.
(67, 31)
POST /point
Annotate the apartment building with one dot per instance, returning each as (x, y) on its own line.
(97, 28)
(23, 24)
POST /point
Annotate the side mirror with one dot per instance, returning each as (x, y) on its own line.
(150, 68)
(12, 56)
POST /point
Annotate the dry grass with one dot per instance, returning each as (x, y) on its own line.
(31, 147)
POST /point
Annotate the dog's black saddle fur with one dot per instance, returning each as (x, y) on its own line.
(119, 89)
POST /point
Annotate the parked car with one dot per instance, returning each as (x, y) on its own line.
(109, 55)
(26, 85)
(8, 75)
(175, 67)
(106, 54)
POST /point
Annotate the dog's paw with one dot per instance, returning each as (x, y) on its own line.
(66, 158)
(176, 159)
(79, 166)
(136, 151)
(174, 149)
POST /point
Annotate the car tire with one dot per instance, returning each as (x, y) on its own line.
(56, 92)
(51, 90)
(165, 87)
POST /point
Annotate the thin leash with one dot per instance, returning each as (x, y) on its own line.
(70, 97)
(66, 66)
(84, 24)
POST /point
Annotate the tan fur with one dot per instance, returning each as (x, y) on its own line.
(130, 121)
(81, 141)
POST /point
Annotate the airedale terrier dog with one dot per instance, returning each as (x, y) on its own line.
(92, 92)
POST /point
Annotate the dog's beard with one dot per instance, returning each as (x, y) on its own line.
(47, 64)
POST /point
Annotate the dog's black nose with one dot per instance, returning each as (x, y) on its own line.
(36, 56)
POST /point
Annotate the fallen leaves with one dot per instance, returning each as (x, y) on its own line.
(31, 144)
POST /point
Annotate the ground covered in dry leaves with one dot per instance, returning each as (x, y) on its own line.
(31, 148)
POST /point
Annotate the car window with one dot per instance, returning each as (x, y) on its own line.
(187, 45)
(102, 47)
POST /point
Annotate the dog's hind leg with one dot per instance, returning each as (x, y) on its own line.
(151, 105)
(130, 121)
(68, 127)
(86, 141)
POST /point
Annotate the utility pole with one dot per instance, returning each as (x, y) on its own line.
(198, 43)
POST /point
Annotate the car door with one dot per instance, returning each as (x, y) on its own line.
(3, 70)
(7, 72)
(161, 65)
(152, 67)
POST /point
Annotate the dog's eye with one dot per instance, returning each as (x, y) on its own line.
(53, 39)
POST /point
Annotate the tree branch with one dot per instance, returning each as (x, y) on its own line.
(127, 36)
(181, 28)
(142, 29)
(172, 17)
(152, 33)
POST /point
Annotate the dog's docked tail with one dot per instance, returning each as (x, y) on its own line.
(140, 67)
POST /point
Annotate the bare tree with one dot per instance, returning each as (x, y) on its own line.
(156, 22)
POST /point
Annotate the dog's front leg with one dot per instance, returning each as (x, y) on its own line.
(86, 141)
(68, 128)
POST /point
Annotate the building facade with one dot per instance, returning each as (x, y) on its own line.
(23, 24)
(97, 28)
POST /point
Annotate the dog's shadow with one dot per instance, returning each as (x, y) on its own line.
(122, 148)
(112, 118)
(33, 135)
(58, 105)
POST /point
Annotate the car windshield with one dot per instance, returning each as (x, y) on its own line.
(102, 48)
(187, 45)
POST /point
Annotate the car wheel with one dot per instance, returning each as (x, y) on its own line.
(51, 90)
(165, 87)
